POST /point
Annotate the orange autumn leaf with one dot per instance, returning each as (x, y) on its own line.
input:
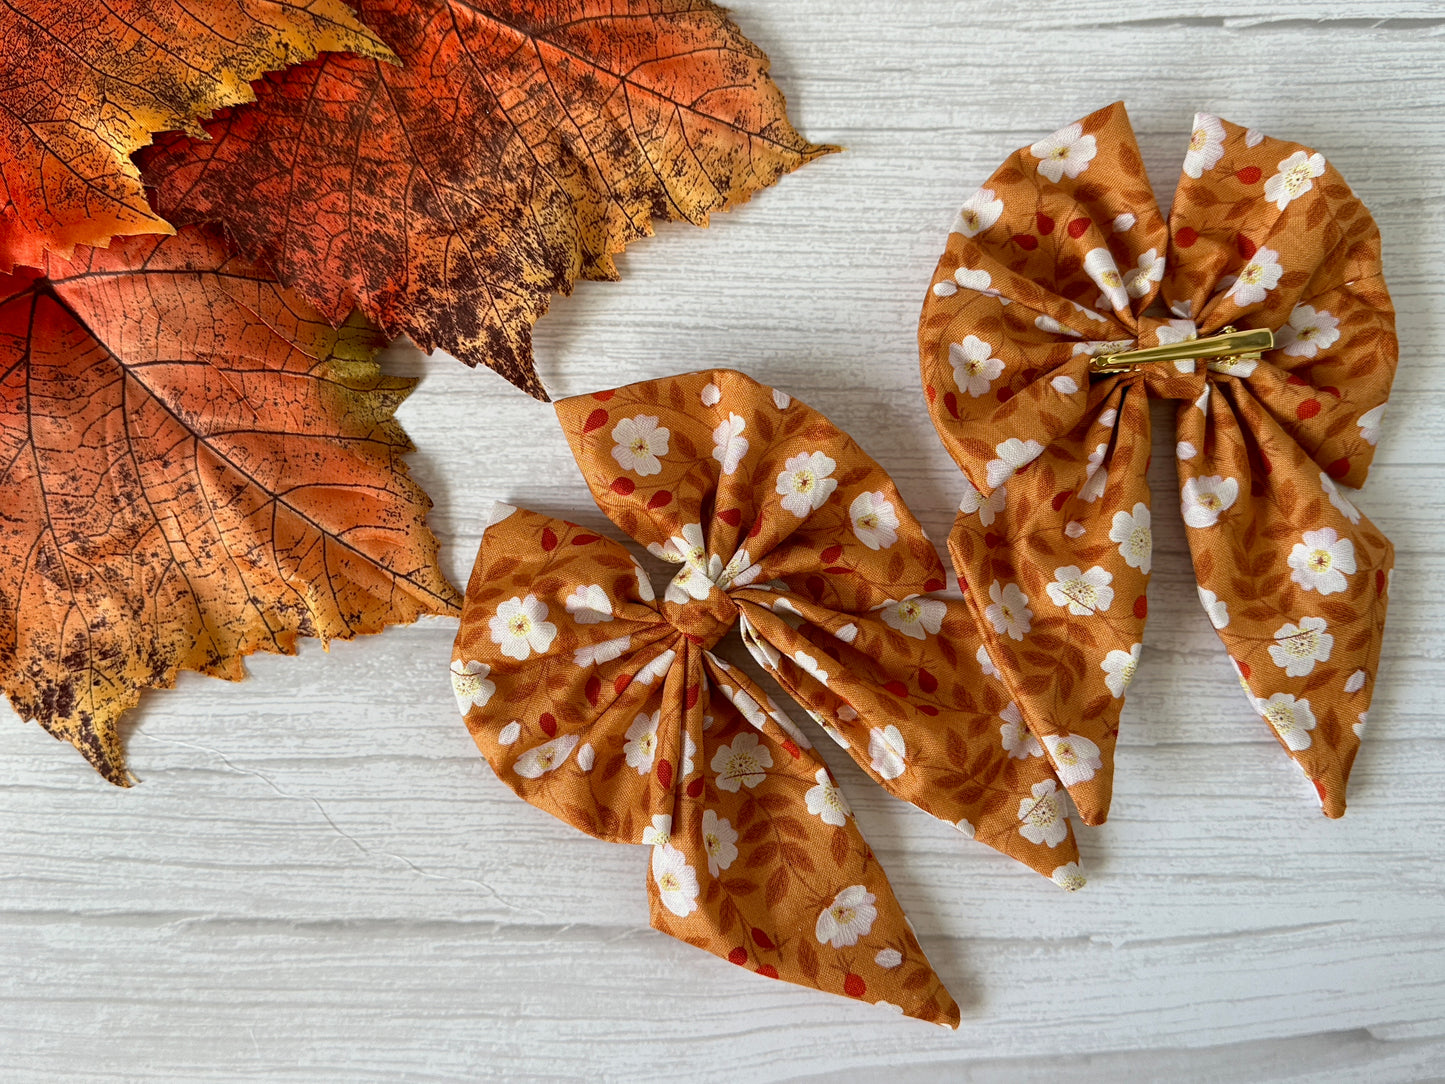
(520, 146)
(84, 85)
(196, 467)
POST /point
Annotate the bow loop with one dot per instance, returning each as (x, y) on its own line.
(1053, 539)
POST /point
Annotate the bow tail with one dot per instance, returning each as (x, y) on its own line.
(766, 868)
(1293, 577)
(927, 717)
(1055, 563)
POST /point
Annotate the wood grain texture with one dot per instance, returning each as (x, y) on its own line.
(318, 878)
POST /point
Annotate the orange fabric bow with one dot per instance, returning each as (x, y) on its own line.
(1063, 259)
(606, 707)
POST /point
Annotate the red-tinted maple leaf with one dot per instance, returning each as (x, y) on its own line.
(521, 145)
(84, 84)
(196, 466)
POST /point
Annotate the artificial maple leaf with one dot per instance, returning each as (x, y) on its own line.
(520, 145)
(83, 85)
(196, 466)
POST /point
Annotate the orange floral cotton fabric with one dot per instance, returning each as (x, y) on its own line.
(1063, 254)
(605, 705)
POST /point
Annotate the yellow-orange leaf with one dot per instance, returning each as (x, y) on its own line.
(195, 466)
(83, 85)
(520, 145)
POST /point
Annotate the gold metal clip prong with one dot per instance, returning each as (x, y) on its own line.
(1229, 345)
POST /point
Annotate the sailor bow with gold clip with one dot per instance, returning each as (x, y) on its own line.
(607, 707)
(1061, 304)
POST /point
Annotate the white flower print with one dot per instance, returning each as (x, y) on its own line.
(1066, 153)
(1013, 454)
(1018, 741)
(641, 746)
(719, 840)
(1138, 280)
(985, 663)
(690, 584)
(1099, 265)
(1214, 606)
(1322, 560)
(1177, 331)
(640, 444)
(888, 958)
(846, 714)
(1359, 727)
(1096, 475)
(586, 757)
(1053, 327)
(1297, 648)
(809, 665)
(1075, 757)
(977, 280)
(1292, 719)
(1206, 145)
(1041, 817)
(711, 395)
(1069, 877)
(915, 617)
(656, 668)
(741, 764)
(1074, 529)
(659, 832)
(1123, 223)
(804, 483)
(509, 733)
(988, 507)
(1253, 137)
(1185, 450)
(1081, 592)
(850, 916)
(1257, 278)
(974, 366)
(1295, 178)
(1356, 682)
(1233, 366)
(546, 757)
(1309, 331)
(470, 685)
(944, 288)
(1203, 500)
(644, 584)
(589, 604)
(605, 651)
(1064, 385)
(676, 881)
(1135, 537)
(1009, 611)
(1108, 417)
(520, 627)
(1119, 668)
(826, 802)
(781, 399)
(729, 444)
(963, 827)
(978, 213)
(689, 750)
(1369, 423)
(875, 521)
(1342, 504)
(848, 633)
(887, 752)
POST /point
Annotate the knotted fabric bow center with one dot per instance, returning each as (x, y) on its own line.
(697, 607)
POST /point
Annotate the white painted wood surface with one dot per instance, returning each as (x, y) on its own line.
(318, 878)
